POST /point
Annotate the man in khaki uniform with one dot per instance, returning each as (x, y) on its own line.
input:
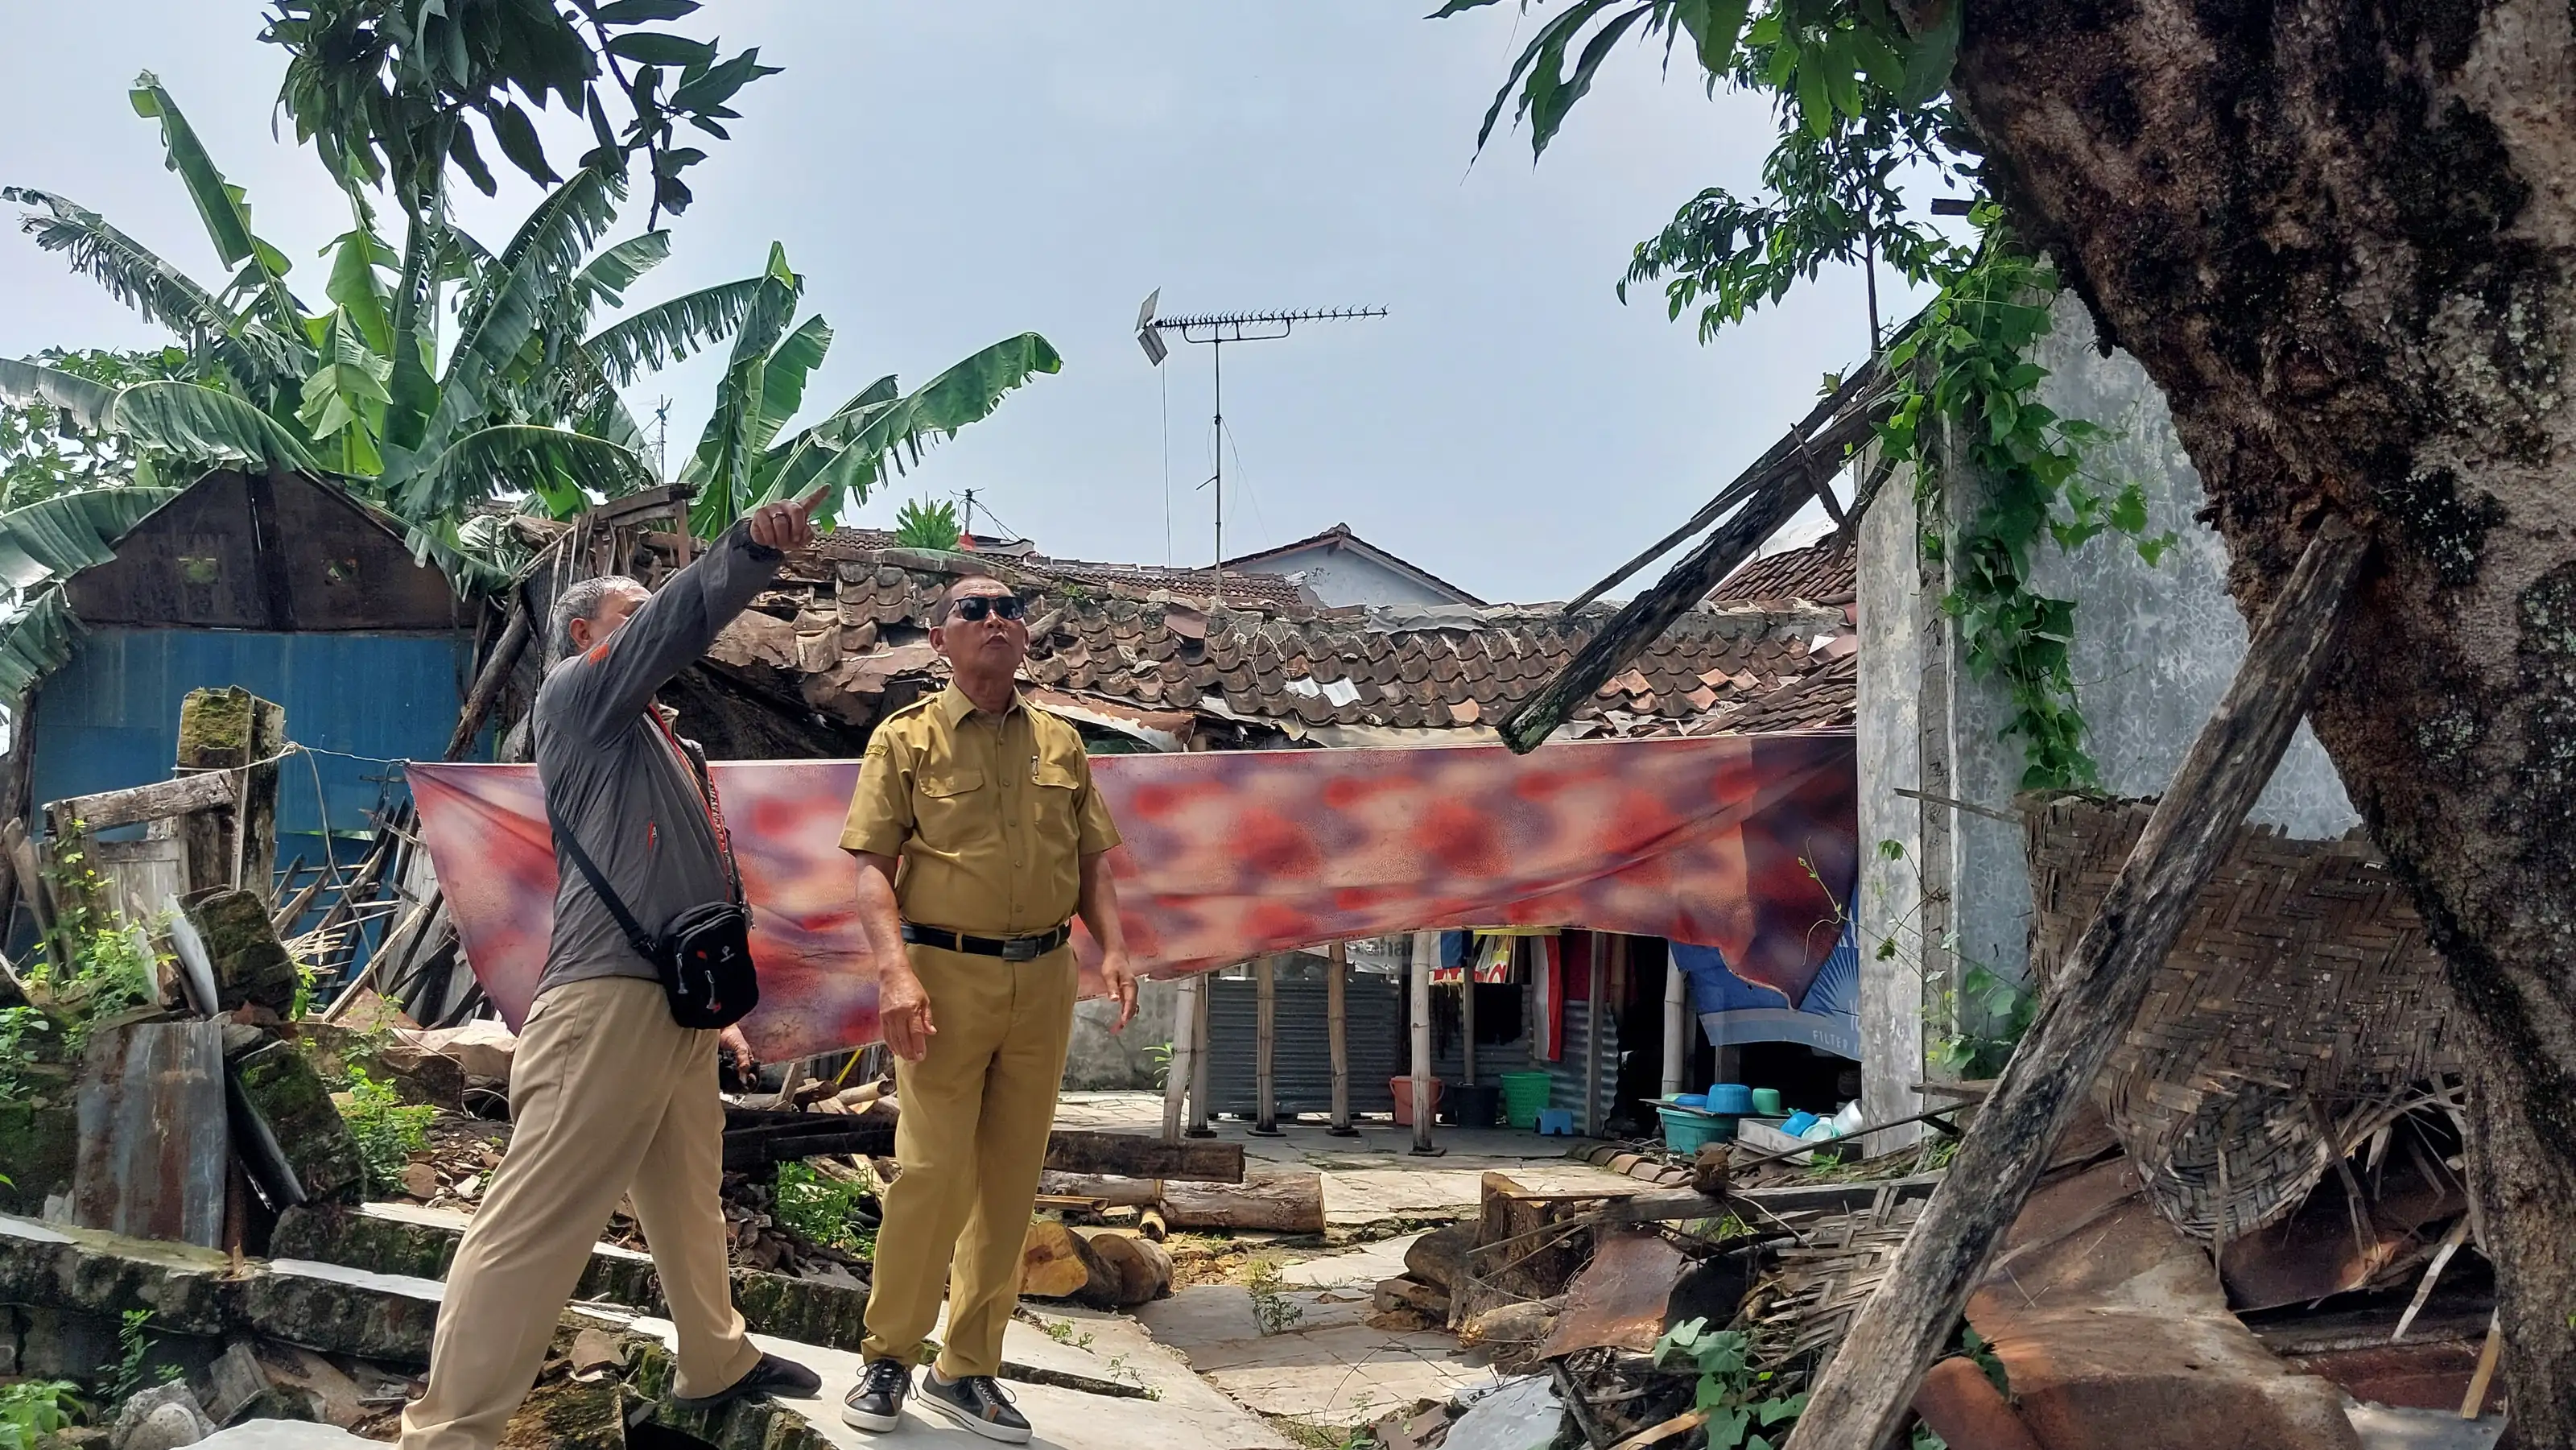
(979, 838)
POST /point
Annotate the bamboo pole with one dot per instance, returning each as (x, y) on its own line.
(1265, 1049)
(1337, 1028)
(1865, 1391)
(1426, 951)
(1176, 1071)
(1200, 1117)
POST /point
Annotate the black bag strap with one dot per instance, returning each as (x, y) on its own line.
(599, 886)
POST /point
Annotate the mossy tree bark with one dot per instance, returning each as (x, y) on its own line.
(2342, 239)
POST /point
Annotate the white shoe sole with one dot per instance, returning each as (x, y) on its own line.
(859, 1420)
(975, 1424)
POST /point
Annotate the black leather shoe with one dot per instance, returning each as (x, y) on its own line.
(877, 1402)
(783, 1378)
(977, 1403)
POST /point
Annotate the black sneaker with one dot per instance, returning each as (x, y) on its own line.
(877, 1402)
(977, 1402)
(783, 1378)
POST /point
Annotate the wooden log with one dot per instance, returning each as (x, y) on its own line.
(1866, 1388)
(1153, 1225)
(1292, 1204)
(235, 732)
(1055, 1263)
(1426, 952)
(1467, 1022)
(1112, 1192)
(1138, 1271)
(1265, 979)
(1337, 1015)
(496, 673)
(157, 801)
(1133, 1155)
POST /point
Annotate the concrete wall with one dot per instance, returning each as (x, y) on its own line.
(1341, 576)
(2155, 647)
(1101, 1060)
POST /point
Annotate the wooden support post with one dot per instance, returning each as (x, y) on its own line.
(1598, 980)
(1337, 1027)
(1426, 954)
(228, 730)
(1265, 1050)
(496, 673)
(1201, 1119)
(1676, 1029)
(1467, 1022)
(1176, 1071)
(1865, 1390)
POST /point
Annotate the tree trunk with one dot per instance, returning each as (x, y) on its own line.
(2342, 239)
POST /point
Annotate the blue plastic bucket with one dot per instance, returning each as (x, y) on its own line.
(1685, 1131)
(1730, 1097)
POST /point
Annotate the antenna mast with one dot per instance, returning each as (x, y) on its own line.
(1216, 329)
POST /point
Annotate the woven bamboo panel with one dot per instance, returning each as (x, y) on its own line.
(1804, 1307)
(2301, 990)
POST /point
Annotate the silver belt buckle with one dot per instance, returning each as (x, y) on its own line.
(1020, 949)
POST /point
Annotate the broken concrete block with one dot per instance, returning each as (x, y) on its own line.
(279, 1089)
(483, 1049)
(564, 1413)
(163, 1417)
(250, 963)
(1522, 1415)
(416, 1074)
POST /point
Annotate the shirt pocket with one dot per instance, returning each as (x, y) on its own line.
(1058, 788)
(951, 808)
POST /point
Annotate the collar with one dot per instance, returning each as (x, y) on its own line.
(954, 706)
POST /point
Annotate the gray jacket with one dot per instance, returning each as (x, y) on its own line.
(612, 775)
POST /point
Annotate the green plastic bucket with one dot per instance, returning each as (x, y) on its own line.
(1685, 1131)
(1524, 1093)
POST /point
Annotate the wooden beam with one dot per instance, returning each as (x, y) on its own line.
(1864, 1392)
(1176, 1068)
(1337, 1016)
(157, 801)
(1265, 1047)
(1133, 1155)
(496, 673)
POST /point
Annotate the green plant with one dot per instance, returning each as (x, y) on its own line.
(1742, 1403)
(1270, 1308)
(133, 1343)
(927, 524)
(1161, 1053)
(16, 1025)
(387, 1130)
(33, 1410)
(826, 1210)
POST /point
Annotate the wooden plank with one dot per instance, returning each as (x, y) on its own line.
(1865, 1390)
(158, 801)
(1337, 1023)
(1292, 1203)
(1426, 952)
(1132, 1155)
(1265, 1032)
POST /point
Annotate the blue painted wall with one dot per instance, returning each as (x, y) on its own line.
(110, 718)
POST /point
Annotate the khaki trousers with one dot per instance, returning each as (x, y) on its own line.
(608, 1096)
(971, 1138)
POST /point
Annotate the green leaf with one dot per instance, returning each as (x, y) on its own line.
(518, 137)
(218, 204)
(358, 291)
(641, 12)
(1546, 118)
(2129, 510)
(667, 332)
(33, 385)
(1815, 107)
(505, 459)
(61, 536)
(196, 424)
(1935, 51)
(1458, 7)
(659, 48)
(414, 392)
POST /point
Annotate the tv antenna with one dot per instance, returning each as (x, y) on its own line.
(1216, 329)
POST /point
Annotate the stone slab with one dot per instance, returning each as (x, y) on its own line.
(1365, 1265)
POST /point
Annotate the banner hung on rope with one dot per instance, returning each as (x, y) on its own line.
(1742, 843)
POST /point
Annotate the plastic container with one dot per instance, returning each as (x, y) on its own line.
(1685, 1131)
(1474, 1106)
(1524, 1093)
(1767, 1103)
(1402, 1087)
(1797, 1123)
(1692, 1100)
(1731, 1097)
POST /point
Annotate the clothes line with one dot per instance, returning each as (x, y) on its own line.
(1720, 841)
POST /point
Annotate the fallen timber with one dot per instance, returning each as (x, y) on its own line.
(1865, 1391)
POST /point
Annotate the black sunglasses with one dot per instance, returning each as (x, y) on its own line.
(973, 607)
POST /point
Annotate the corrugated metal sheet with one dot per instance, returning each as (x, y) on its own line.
(153, 1138)
(110, 717)
(1302, 1052)
(1567, 1072)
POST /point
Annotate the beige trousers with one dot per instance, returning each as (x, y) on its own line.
(971, 1138)
(608, 1096)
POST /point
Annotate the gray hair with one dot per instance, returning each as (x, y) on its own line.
(581, 601)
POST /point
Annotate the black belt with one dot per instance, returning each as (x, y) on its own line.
(1008, 948)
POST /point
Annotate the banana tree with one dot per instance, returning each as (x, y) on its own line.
(741, 463)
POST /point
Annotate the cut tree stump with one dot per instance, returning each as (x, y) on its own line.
(1864, 1392)
(1055, 1263)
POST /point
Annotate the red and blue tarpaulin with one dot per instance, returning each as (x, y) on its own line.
(1724, 842)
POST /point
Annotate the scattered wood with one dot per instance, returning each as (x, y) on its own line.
(1151, 1223)
(1658, 1433)
(1130, 1155)
(1440, 1256)
(158, 801)
(1405, 1293)
(1105, 1269)
(1291, 1204)
(1140, 1271)
(1864, 1392)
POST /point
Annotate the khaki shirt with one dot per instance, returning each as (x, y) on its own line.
(990, 817)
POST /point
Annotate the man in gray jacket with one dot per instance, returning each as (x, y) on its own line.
(609, 1096)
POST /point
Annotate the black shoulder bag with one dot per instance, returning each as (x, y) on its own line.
(705, 958)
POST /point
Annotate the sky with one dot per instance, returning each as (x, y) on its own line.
(947, 175)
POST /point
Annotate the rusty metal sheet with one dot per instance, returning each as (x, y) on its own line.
(1618, 1300)
(2318, 1250)
(153, 1136)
